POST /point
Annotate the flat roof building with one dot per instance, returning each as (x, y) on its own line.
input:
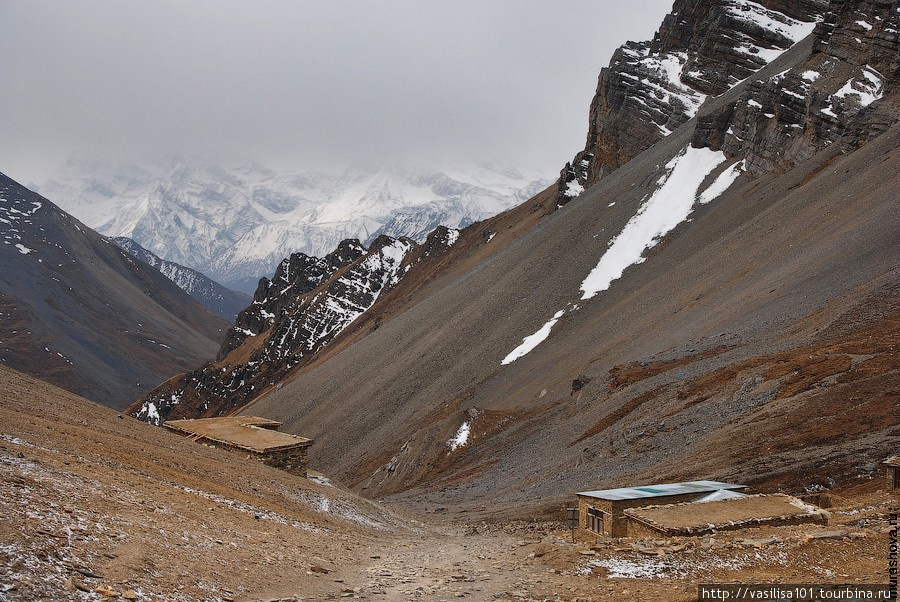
(602, 511)
(254, 436)
(711, 515)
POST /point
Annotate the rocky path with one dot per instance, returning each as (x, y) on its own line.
(450, 565)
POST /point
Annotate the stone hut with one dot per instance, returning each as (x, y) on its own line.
(603, 511)
(892, 467)
(257, 438)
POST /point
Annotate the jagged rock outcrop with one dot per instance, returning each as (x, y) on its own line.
(295, 276)
(702, 49)
(830, 97)
(308, 302)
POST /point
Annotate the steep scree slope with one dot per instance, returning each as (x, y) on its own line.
(308, 303)
(222, 301)
(79, 312)
(698, 312)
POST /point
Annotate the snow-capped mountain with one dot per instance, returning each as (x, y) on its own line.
(210, 294)
(235, 224)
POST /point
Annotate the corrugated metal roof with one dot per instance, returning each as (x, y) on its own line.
(663, 489)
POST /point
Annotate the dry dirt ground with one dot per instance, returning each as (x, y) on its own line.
(94, 506)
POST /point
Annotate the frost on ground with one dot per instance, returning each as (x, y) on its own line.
(663, 568)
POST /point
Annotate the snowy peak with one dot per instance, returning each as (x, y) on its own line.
(651, 88)
(236, 223)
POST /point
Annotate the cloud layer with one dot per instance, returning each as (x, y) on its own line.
(305, 84)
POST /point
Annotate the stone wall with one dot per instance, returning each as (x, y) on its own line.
(617, 525)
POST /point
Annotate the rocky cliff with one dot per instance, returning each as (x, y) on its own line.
(308, 302)
(651, 88)
(830, 97)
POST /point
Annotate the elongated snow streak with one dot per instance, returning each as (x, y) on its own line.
(533, 340)
(667, 207)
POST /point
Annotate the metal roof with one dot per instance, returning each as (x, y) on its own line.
(664, 489)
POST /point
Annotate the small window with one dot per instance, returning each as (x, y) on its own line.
(595, 519)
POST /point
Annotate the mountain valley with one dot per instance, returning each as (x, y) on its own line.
(710, 291)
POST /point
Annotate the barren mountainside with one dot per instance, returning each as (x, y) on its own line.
(83, 314)
(721, 303)
(308, 303)
(222, 301)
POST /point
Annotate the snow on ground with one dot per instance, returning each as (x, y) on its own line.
(533, 340)
(866, 90)
(670, 567)
(720, 184)
(660, 213)
(573, 188)
(461, 437)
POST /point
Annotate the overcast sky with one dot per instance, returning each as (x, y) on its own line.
(305, 84)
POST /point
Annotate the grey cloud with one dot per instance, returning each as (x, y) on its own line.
(308, 84)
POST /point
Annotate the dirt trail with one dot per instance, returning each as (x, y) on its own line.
(94, 506)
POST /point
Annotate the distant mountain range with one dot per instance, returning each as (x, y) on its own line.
(213, 296)
(235, 224)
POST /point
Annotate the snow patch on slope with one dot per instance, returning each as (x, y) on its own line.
(660, 213)
(669, 205)
(533, 340)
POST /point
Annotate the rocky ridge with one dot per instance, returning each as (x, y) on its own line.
(830, 97)
(307, 303)
(701, 50)
(210, 294)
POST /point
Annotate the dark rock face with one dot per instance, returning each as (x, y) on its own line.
(831, 97)
(651, 88)
(294, 276)
(308, 302)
